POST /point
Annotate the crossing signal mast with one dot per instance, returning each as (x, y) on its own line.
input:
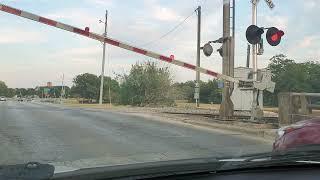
(254, 37)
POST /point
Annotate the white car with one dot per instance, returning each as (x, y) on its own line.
(3, 99)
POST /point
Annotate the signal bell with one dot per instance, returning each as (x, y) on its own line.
(207, 49)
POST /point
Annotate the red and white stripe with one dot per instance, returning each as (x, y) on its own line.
(110, 41)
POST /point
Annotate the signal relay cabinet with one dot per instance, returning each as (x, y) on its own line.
(242, 96)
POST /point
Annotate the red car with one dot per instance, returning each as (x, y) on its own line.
(297, 135)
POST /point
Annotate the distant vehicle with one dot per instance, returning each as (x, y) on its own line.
(298, 135)
(3, 98)
(20, 100)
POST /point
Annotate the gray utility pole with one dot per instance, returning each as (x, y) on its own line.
(103, 60)
(226, 108)
(197, 88)
(62, 93)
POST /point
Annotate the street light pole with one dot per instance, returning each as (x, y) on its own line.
(103, 60)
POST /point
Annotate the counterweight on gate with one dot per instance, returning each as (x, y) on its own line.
(111, 41)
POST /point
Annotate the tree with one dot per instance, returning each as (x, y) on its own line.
(314, 75)
(214, 93)
(11, 92)
(183, 90)
(114, 90)
(3, 89)
(290, 76)
(146, 84)
(86, 86)
(209, 91)
(21, 92)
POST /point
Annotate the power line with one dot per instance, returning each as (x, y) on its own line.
(170, 31)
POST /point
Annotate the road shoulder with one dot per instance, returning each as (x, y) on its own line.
(263, 132)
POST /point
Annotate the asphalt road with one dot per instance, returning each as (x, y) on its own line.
(83, 137)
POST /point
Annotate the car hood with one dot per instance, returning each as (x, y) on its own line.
(315, 121)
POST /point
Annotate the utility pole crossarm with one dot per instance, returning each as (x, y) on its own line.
(111, 41)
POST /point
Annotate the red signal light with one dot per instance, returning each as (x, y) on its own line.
(274, 36)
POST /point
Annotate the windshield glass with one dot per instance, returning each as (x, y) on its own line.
(91, 83)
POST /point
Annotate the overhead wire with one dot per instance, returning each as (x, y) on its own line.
(173, 30)
(170, 31)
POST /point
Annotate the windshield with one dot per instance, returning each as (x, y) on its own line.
(92, 83)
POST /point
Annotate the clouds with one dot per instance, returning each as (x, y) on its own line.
(278, 21)
(160, 12)
(308, 41)
(165, 14)
(19, 36)
(77, 16)
(104, 3)
(311, 4)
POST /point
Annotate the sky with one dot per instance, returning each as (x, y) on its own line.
(33, 54)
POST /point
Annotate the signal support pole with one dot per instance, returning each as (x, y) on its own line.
(103, 61)
(256, 110)
(226, 108)
(197, 88)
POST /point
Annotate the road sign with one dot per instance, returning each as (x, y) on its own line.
(270, 4)
(220, 84)
(196, 95)
(197, 91)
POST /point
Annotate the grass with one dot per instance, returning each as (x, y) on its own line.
(75, 103)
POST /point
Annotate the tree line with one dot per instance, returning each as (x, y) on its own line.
(147, 84)
(53, 92)
(291, 76)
